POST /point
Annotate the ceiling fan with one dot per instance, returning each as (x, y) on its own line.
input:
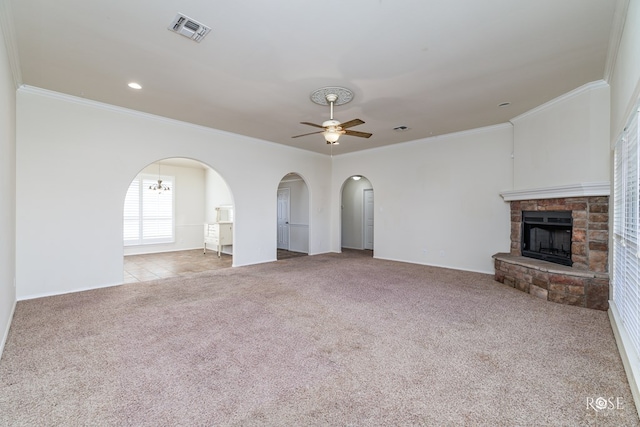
(332, 128)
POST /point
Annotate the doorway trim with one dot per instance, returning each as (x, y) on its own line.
(368, 215)
(283, 228)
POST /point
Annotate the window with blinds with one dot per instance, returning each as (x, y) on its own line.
(626, 251)
(148, 214)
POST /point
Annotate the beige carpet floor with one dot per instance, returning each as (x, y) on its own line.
(335, 339)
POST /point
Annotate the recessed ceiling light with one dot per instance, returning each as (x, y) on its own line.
(504, 104)
(401, 128)
(134, 85)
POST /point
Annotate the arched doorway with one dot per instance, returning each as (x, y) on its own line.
(357, 216)
(292, 217)
(165, 215)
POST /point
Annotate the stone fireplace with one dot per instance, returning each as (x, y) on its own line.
(584, 281)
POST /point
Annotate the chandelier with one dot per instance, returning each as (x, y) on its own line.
(159, 186)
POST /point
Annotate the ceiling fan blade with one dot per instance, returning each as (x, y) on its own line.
(311, 124)
(356, 133)
(351, 123)
(305, 134)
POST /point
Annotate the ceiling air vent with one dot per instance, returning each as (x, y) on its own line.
(189, 28)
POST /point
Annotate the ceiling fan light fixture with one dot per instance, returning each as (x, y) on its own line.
(331, 135)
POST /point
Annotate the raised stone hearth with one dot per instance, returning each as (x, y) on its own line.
(586, 282)
(553, 282)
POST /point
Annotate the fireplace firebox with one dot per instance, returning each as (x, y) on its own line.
(546, 235)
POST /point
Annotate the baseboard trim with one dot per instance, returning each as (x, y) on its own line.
(630, 359)
(489, 272)
(64, 292)
(5, 335)
(351, 247)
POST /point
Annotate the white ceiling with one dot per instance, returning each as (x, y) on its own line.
(436, 66)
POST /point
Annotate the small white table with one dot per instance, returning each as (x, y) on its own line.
(218, 234)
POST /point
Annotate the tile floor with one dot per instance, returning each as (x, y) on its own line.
(141, 268)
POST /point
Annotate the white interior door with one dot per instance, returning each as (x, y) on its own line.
(368, 219)
(284, 195)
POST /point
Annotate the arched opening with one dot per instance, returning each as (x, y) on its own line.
(170, 210)
(357, 214)
(292, 217)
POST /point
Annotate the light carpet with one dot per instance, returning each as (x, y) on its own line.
(335, 339)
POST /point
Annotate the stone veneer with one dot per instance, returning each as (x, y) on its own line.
(553, 282)
(586, 282)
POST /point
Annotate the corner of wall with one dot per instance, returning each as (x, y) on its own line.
(5, 333)
(8, 32)
(9, 80)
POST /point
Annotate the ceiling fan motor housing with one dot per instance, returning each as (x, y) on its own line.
(330, 123)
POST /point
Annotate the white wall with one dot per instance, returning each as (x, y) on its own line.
(73, 230)
(298, 213)
(189, 190)
(625, 77)
(565, 141)
(7, 189)
(216, 194)
(352, 212)
(437, 200)
(299, 201)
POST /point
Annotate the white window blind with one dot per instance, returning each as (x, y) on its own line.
(626, 251)
(148, 214)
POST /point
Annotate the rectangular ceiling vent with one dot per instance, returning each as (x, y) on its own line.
(189, 27)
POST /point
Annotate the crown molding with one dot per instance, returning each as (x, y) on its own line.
(474, 131)
(598, 84)
(9, 34)
(113, 108)
(615, 36)
(148, 116)
(587, 189)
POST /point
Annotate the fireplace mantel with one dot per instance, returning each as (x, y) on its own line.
(563, 191)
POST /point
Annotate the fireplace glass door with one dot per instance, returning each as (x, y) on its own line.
(547, 236)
